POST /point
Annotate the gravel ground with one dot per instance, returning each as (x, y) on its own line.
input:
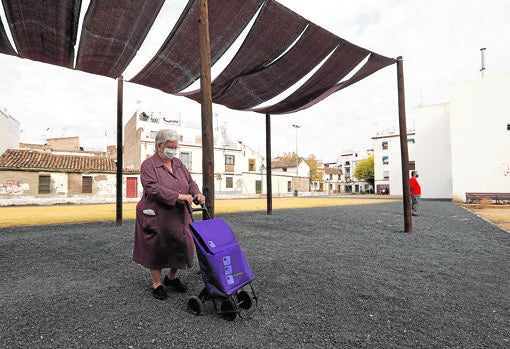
(336, 277)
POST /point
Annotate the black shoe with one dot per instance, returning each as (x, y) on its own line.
(159, 292)
(176, 284)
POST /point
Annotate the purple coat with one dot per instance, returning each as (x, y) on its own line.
(162, 235)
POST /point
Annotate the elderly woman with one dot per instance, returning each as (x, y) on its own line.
(162, 236)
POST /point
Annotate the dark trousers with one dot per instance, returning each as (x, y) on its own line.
(414, 203)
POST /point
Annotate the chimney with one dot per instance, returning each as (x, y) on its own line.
(482, 70)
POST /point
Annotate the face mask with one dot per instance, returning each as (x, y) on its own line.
(169, 153)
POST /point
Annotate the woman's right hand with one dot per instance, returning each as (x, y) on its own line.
(186, 198)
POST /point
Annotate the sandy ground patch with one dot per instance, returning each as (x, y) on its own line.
(59, 214)
(497, 215)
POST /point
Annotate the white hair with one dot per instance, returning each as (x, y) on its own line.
(165, 135)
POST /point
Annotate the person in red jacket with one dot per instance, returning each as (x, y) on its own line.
(415, 191)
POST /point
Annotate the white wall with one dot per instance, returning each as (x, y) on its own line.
(9, 132)
(480, 141)
(433, 152)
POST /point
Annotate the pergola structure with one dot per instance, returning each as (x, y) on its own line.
(279, 50)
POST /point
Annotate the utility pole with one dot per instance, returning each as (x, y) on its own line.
(297, 160)
(206, 105)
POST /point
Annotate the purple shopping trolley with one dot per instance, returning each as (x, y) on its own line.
(224, 269)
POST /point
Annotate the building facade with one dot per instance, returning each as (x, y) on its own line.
(388, 163)
(238, 169)
(347, 164)
(9, 132)
(433, 153)
(480, 136)
(289, 175)
(29, 176)
(461, 146)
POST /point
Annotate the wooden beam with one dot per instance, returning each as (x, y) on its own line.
(269, 183)
(206, 104)
(406, 197)
(120, 163)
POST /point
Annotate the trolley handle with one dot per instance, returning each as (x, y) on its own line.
(202, 208)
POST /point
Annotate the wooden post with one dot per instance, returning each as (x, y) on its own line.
(269, 183)
(206, 104)
(120, 163)
(408, 220)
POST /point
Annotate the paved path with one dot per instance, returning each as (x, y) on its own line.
(331, 277)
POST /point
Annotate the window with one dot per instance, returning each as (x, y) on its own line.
(186, 159)
(251, 165)
(289, 186)
(229, 160)
(385, 160)
(229, 182)
(258, 187)
(229, 163)
(86, 184)
(44, 184)
(385, 145)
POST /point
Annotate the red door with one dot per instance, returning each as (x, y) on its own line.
(131, 187)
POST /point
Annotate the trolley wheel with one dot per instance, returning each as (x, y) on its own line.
(228, 310)
(195, 306)
(244, 300)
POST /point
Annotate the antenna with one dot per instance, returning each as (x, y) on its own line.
(482, 70)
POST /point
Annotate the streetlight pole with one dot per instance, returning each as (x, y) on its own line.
(297, 159)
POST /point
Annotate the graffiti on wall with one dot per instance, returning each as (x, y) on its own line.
(13, 187)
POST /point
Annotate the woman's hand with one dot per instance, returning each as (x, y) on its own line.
(199, 199)
(186, 198)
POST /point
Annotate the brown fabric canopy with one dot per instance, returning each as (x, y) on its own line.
(280, 49)
(257, 52)
(269, 62)
(177, 64)
(5, 45)
(324, 82)
(44, 31)
(112, 33)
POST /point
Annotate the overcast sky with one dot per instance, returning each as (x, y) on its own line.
(440, 42)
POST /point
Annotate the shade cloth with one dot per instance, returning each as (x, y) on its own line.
(177, 64)
(5, 45)
(112, 33)
(281, 49)
(44, 31)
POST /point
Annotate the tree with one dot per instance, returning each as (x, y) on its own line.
(315, 173)
(365, 170)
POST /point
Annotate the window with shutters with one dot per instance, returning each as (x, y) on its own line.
(44, 184)
(86, 184)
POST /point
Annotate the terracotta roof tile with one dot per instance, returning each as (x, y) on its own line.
(29, 159)
(330, 170)
(286, 162)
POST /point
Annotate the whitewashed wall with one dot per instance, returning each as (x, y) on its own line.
(480, 113)
(433, 151)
